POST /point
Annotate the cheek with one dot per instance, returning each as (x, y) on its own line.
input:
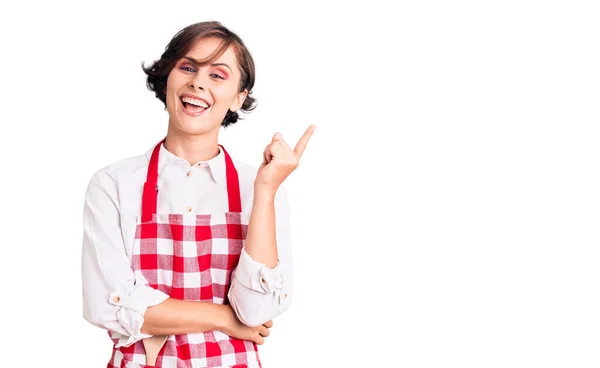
(225, 95)
(173, 83)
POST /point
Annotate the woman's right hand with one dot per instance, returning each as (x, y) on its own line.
(234, 328)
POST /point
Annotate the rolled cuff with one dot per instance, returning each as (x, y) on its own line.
(133, 308)
(258, 277)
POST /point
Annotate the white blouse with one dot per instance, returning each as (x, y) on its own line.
(112, 299)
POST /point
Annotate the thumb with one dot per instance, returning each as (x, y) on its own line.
(277, 137)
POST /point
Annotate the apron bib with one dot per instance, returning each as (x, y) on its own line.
(189, 257)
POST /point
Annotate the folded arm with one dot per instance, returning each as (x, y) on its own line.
(261, 287)
(115, 300)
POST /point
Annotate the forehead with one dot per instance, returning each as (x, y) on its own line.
(207, 47)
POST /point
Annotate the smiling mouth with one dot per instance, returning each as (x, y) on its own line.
(193, 105)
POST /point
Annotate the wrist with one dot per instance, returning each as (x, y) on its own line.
(264, 194)
(225, 318)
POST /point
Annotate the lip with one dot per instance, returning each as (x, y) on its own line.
(188, 112)
(191, 113)
(196, 97)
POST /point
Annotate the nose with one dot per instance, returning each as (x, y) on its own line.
(197, 82)
(196, 86)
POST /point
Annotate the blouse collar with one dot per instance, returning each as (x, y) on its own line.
(216, 164)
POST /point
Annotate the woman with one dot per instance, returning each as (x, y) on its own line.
(186, 253)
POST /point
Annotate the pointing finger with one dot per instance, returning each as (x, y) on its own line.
(301, 145)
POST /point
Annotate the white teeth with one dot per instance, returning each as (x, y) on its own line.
(194, 101)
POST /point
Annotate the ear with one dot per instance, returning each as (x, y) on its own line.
(238, 100)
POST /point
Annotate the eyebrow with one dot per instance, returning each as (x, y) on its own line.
(197, 63)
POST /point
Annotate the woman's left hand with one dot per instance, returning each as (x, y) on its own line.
(279, 161)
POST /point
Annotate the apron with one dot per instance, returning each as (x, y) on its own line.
(191, 257)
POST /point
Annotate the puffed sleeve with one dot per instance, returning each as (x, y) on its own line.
(112, 297)
(259, 293)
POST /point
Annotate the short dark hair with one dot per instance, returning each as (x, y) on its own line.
(182, 42)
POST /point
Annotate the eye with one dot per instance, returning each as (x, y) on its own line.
(188, 68)
(216, 76)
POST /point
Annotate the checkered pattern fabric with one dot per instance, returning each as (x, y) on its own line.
(190, 257)
(185, 351)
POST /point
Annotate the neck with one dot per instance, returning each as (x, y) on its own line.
(192, 148)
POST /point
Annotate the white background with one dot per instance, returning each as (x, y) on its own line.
(445, 213)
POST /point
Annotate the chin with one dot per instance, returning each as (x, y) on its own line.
(194, 125)
(197, 127)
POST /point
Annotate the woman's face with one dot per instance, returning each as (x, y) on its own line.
(199, 97)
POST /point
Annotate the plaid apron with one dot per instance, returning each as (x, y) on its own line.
(191, 257)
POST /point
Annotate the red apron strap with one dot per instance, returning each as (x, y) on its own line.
(233, 184)
(150, 194)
